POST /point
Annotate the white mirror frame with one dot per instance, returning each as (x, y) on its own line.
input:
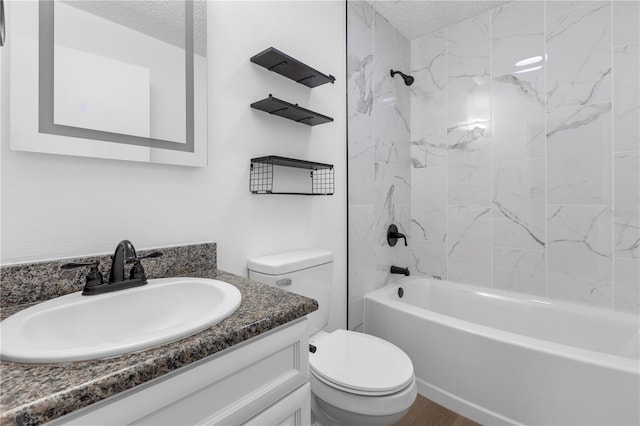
(30, 131)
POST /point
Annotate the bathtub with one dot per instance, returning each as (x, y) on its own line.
(504, 358)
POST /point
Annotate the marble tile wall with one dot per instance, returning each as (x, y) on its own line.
(523, 177)
(526, 176)
(379, 151)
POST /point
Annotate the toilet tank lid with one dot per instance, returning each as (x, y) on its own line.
(289, 261)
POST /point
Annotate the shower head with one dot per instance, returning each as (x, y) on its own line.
(408, 80)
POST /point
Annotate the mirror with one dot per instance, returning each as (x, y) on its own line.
(116, 79)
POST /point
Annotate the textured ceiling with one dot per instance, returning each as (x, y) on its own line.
(417, 18)
(161, 19)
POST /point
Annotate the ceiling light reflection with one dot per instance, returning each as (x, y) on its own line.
(529, 61)
(528, 69)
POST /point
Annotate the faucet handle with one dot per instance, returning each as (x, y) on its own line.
(137, 271)
(73, 265)
(393, 235)
(148, 256)
(94, 277)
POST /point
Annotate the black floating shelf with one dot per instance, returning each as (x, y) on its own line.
(283, 64)
(292, 112)
(262, 173)
(291, 162)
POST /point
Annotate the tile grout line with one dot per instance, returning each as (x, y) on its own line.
(491, 150)
(546, 159)
(446, 153)
(613, 164)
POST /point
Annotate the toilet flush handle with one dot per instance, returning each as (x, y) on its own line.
(284, 281)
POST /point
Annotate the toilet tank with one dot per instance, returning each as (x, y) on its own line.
(308, 272)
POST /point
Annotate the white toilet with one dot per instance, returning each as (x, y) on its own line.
(356, 379)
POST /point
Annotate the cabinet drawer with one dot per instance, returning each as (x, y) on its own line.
(226, 388)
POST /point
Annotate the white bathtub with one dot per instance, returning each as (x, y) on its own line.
(503, 358)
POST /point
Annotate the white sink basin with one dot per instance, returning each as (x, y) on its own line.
(76, 327)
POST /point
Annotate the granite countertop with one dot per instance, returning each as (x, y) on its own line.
(36, 393)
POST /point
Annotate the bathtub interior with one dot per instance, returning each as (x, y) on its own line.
(595, 329)
(492, 373)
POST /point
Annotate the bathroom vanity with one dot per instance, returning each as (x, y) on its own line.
(251, 368)
(260, 381)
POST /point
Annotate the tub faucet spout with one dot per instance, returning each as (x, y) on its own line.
(399, 270)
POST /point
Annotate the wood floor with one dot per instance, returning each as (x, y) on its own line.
(424, 412)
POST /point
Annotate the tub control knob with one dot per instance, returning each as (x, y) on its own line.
(393, 235)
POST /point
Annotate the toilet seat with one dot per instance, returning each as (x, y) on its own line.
(360, 364)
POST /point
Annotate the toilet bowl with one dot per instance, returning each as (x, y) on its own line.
(356, 379)
(325, 412)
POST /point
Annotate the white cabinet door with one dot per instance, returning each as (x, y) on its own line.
(292, 410)
(227, 388)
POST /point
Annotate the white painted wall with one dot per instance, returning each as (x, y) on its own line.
(58, 206)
